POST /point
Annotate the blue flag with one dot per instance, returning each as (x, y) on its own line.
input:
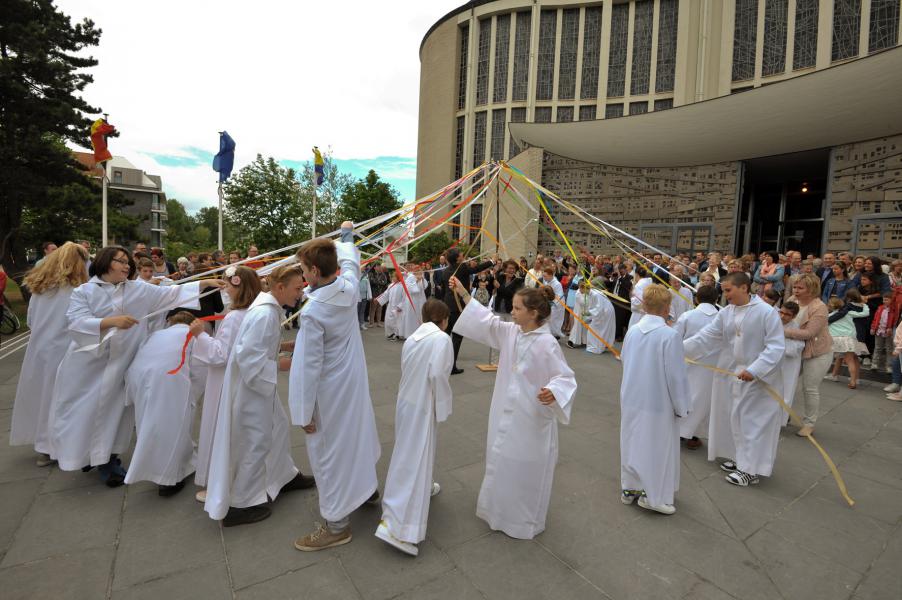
(225, 158)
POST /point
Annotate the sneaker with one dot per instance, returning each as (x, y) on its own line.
(322, 538)
(300, 482)
(729, 466)
(44, 460)
(385, 535)
(664, 509)
(629, 496)
(890, 389)
(201, 496)
(436, 488)
(374, 500)
(244, 516)
(831, 377)
(897, 397)
(570, 344)
(391, 337)
(742, 479)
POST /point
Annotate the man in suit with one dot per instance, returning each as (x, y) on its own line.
(826, 270)
(460, 268)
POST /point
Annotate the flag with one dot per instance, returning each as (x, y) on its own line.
(225, 158)
(99, 130)
(318, 165)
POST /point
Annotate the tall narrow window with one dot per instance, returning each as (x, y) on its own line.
(774, 58)
(884, 29)
(566, 80)
(475, 222)
(521, 57)
(846, 28)
(804, 53)
(459, 149)
(587, 112)
(667, 40)
(479, 138)
(462, 67)
(545, 61)
(588, 89)
(612, 111)
(745, 35)
(502, 46)
(642, 30)
(564, 114)
(620, 14)
(542, 115)
(482, 63)
(498, 118)
(518, 115)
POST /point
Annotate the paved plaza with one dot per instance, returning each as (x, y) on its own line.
(65, 535)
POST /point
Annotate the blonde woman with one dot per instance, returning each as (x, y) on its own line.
(51, 283)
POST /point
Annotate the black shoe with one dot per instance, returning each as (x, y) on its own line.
(374, 500)
(170, 490)
(570, 344)
(300, 482)
(456, 371)
(112, 473)
(244, 516)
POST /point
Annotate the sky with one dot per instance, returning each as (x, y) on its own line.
(279, 76)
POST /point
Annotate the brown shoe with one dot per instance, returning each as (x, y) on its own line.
(805, 431)
(322, 538)
(694, 443)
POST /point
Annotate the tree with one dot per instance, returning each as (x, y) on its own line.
(179, 225)
(367, 198)
(208, 216)
(328, 196)
(429, 248)
(41, 78)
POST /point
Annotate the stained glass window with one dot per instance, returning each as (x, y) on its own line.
(846, 28)
(479, 139)
(502, 47)
(543, 114)
(638, 108)
(459, 149)
(462, 67)
(482, 63)
(591, 53)
(498, 119)
(521, 57)
(617, 54)
(642, 30)
(664, 104)
(667, 40)
(745, 34)
(884, 29)
(805, 41)
(612, 111)
(587, 113)
(545, 59)
(774, 59)
(564, 114)
(518, 115)
(566, 80)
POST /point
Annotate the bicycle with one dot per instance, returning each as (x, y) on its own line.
(9, 322)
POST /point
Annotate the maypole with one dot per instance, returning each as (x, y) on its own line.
(100, 129)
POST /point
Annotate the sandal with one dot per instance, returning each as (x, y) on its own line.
(852, 386)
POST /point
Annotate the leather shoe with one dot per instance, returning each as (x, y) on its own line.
(456, 371)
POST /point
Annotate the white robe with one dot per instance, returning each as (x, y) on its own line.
(680, 303)
(745, 421)
(522, 444)
(636, 299)
(410, 316)
(604, 322)
(579, 334)
(424, 399)
(700, 379)
(556, 320)
(46, 348)
(328, 384)
(394, 308)
(164, 409)
(251, 458)
(653, 393)
(88, 417)
(214, 353)
(791, 367)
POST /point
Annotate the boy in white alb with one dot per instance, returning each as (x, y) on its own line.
(424, 399)
(792, 357)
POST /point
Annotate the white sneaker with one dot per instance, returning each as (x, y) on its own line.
(436, 488)
(383, 534)
(629, 496)
(201, 496)
(831, 377)
(891, 388)
(664, 509)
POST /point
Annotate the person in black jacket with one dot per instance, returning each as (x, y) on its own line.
(506, 285)
(459, 268)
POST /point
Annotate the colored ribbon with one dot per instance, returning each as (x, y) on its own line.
(188, 339)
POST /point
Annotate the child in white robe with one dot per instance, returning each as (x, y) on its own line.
(164, 410)
(395, 296)
(700, 378)
(654, 392)
(411, 307)
(604, 322)
(556, 321)
(752, 341)
(792, 357)
(424, 399)
(581, 306)
(534, 390)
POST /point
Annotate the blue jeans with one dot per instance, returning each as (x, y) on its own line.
(896, 363)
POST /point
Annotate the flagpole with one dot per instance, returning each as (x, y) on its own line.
(313, 222)
(106, 183)
(219, 193)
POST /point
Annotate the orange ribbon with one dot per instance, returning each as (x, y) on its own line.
(188, 339)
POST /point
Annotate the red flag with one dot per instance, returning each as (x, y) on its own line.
(99, 130)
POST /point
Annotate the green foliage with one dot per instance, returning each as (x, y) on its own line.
(42, 74)
(430, 247)
(367, 198)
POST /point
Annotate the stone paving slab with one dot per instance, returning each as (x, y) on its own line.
(65, 535)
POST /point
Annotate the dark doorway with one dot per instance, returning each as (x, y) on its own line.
(783, 203)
